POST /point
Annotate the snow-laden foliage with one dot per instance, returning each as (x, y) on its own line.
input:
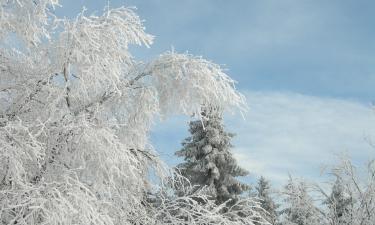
(75, 113)
(339, 204)
(352, 197)
(347, 198)
(183, 71)
(299, 208)
(209, 160)
(29, 20)
(194, 206)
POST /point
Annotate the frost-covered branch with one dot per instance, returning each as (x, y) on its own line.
(196, 82)
(75, 114)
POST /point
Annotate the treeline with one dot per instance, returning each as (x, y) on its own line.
(347, 198)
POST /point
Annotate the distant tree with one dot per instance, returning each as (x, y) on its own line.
(208, 158)
(262, 192)
(339, 204)
(299, 207)
(75, 113)
(352, 197)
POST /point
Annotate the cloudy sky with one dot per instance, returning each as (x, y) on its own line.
(307, 69)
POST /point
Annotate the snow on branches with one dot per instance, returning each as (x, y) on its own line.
(196, 82)
(75, 113)
(29, 20)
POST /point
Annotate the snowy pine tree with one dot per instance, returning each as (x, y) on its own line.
(339, 205)
(208, 158)
(268, 205)
(299, 206)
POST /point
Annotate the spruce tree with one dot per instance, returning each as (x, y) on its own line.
(268, 205)
(209, 160)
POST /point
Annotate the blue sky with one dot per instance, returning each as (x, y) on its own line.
(307, 69)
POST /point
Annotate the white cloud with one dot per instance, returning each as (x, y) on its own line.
(292, 133)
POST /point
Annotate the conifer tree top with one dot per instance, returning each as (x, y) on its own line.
(263, 193)
(208, 157)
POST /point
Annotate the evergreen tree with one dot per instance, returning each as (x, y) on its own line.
(299, 207)
(263, 193)
(339, 204)
(208, 158)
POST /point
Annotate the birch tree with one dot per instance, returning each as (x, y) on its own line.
(299, 208)
(75, 113)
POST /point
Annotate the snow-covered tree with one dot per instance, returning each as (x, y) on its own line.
(339, 204)
(299, 208)
(352, 198)
(75, 112)
(262, 192)
(201, 209)
(208, 158)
